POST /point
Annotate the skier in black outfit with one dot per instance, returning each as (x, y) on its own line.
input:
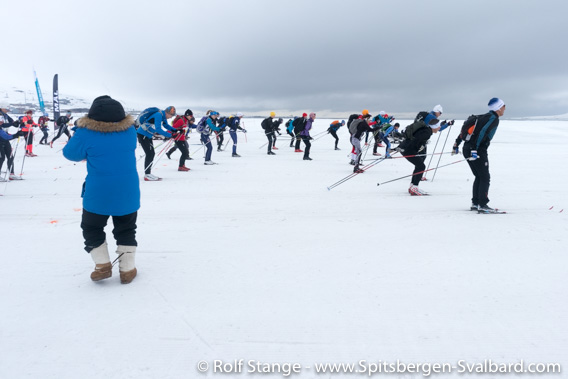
(299, 125)
(475, 151)
(62, 122)
(270, 126)
(417, 134)
(5, 146)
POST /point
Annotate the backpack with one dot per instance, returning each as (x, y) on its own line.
(222, 121)
(468, 128)
(413, 128)
(202, 125)
(146, 113)
(385, 127)
(299, 125)
(354, 125)
(421, 116)
(352, 118)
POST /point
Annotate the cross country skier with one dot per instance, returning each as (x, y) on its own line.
(206, 125)
(382, 119)
(299, 125)
(150, 122)
(475, 151)
(27, 128)
(42, 122)
(5, 146)
(222, 125)
(333, 128)
(417, 135)
(234, 125)
(289, 130)
(269, 125)
(384, 133)
(357, 128)
(182, 125)
(62, 122)
(189, 115)
(106, 138)
(305, 134)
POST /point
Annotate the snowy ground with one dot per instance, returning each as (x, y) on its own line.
(255, 259)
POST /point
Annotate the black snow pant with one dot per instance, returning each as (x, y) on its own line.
(378, 138)
(43, 139)
(183, 147)
(6, 155)
(62, 129)
(334, 134)
(292, 139)
(148, 146)
(419, 168)
(480, 169)
(93, 226)
(298, 141)
(270, 137)
(306, 140)
(220, 139)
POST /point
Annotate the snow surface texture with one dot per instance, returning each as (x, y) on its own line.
(254, 258)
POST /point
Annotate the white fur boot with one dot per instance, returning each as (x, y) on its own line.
(126, 263)
(103, 267)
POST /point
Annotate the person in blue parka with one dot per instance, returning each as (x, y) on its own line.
(106, 139)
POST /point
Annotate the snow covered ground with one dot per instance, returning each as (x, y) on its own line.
(255, 259)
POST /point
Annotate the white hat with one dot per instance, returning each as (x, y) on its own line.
(239, 114)
(495, 104)
(4, 106)
(438, 108)
(382, 113)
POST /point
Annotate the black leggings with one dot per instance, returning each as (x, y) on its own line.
(480, 169)
(6, 154)
(45, 135)
(306, 140)
(62, 129)
(419, 168)
(334, 134)
(148, 146)
(220, 139)
(93, 226)
(183, 147)
(270, 137)
(293, 137)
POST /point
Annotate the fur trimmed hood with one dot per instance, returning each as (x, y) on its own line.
(105, 127)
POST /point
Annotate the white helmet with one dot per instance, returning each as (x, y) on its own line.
(438, 108)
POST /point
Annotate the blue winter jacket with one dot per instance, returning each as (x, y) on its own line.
(112, 186)
(148, 129)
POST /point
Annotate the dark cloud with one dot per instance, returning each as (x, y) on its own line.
(334, 56)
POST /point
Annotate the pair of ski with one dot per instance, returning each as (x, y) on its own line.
(490, 211)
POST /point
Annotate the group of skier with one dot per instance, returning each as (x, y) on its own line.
(412, 142)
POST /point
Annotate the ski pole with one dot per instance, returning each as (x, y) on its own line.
(160, 154)
(443, 147)
(435, 146)
(352, 175)
(321, 136)
(416, 155)
(201, 147)
(420, 172)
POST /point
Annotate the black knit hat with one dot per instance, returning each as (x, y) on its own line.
(188, 113)
(106, 109)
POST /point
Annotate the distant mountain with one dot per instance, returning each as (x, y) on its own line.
(560, 117)
(23, 100)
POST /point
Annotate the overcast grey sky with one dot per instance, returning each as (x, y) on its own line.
(331, 57)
